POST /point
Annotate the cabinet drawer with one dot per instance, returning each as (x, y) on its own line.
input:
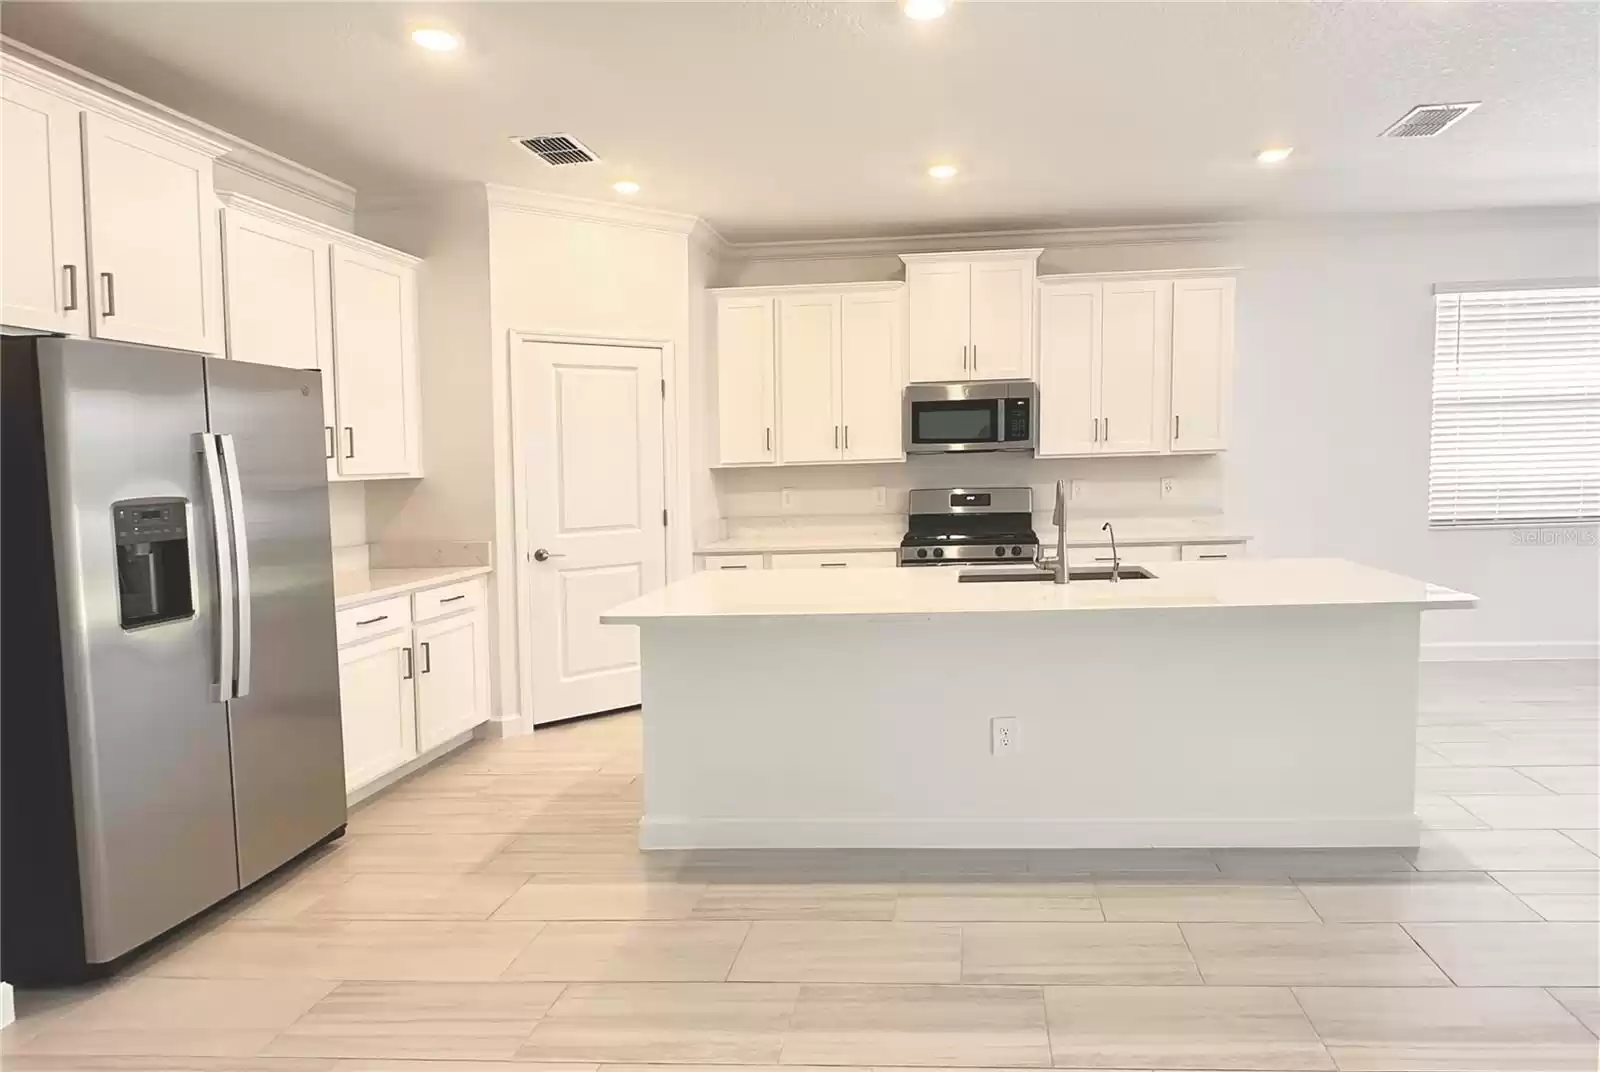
(372, 619)
(1212, 552)
(732, 562)
(1135, 555)
(447, 599)
(846, 559)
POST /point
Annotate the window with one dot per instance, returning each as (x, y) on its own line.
(1516, 407)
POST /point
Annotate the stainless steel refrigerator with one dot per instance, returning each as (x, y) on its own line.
(169, 686)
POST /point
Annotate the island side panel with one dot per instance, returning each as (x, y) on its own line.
(1227, 727)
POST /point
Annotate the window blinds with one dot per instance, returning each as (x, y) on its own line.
(1516, 408)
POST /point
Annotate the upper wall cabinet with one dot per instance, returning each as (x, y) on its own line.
(1202, 362)
(810, 375)
(110, 219)
(971, 315)
(303, 295)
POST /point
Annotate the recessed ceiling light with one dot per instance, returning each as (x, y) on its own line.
(1273, 156)
(943, 171)
(923, 10)
(626, 186)
(436, 40)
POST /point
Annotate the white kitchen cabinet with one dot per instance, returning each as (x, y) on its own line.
(971, 314)
(732, 562)
(1135, 341)
(834, 559)
(1128, 555)
(872, 367)
(1211, 552)
(1202, 363)
(1069, 369)
(452, 677)
(746, 380)
(377, 700)
(375, 362)
(809, 428)
(153, 247)
(46, 270)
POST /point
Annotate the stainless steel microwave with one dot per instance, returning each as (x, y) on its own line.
(971, 415)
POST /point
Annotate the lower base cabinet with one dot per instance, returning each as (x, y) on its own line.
(408, 691)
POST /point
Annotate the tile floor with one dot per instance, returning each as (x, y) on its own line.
(493, 914)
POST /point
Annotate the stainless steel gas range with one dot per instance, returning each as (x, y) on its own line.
(969, 526)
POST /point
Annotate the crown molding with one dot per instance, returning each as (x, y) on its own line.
(874, 286)
(982, 241)
(972, 255)
(262, 210)
(90, 91)
(539, 203)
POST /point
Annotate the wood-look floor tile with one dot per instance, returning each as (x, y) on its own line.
(245, 949)
(1564, 908)
(1309, 863)
(1136, 953)
(679, 1023)
(918, 1025)
(1071, 863)
(635, 951)
(1442, 813)
(472, 896)
(1425, 896)
(1500, 781)
(1551, 811)
(999, 902)
(423, 1064)
(1582, 1002)
(1565, 882)
(1562, 779)
(1513, 954)
(422, 950)
(850, 952)
(1181, 1027)
(585, 866)
(1526, 750)
(1589, 839)
(416, 852)
(798, 901)
(1501, 850)
(1164, 901)
(1309, 954)
(166, 1062)
(602, 900)
(466, 1021)
(1404, 1029)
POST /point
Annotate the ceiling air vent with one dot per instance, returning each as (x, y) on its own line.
(558, 149)
(1428, 120)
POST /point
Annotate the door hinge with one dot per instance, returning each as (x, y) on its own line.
(663, 518)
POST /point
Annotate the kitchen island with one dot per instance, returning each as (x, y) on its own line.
(1261, 702)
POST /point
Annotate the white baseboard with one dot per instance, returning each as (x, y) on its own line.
(1396, 832)
(510, 726)
(1488, 651)
(8, 1006)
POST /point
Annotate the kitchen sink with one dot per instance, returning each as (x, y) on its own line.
(992, 575)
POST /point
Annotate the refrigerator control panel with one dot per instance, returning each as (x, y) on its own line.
(154, 581)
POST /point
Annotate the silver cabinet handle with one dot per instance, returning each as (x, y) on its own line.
(70, 272)
(452, 599)
(206, 447)
(350, 434)
(1177, 426)
(1094, 429)
(1106, 430)
(328, 432)
(111, 294)
(410, 669)
(241, 560)
(541, 555)
(847, 437)
(836, 437)
(1214, 556)
(734, 567)
(834, 565)
(372, 621)
(963, 356)
(974, 357)
(427, 658)
(769, 441)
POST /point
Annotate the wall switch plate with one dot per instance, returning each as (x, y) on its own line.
(786, 498)
(880, 496)
(1168, 487)
(1076, 490)
(1003, 735)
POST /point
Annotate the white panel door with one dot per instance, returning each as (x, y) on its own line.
(374, 350)
(872, 375)
(280, 308)
(809, 428)
(940, 316)
(452, 674)
(1202, 362)
(746, 381)
(377, 703)
(1069, 347)
(1002, 304)
(153, 239)
(1135, 334)
(590, 425)
(46, 276)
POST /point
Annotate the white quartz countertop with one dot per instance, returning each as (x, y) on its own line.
(1270, 582)
(363, 586)
(1130, 532)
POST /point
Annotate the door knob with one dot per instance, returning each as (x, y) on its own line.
(541, 555)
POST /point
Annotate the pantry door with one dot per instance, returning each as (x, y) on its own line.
(589, 424)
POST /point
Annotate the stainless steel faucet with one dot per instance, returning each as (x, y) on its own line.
(1116, 562)
(1057, 568)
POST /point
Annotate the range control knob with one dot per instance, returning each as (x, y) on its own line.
(999, 552)
(922, 552)
(938, 552)
(1016, 552)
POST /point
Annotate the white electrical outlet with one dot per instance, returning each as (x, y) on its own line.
(1003, 735)
(1076, 489)
(786, 498)
(880, 496)
(1168, 486)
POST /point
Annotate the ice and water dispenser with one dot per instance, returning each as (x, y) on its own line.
(153, 575)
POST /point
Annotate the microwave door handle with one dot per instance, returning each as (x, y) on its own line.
(241, 562)
(222, 554)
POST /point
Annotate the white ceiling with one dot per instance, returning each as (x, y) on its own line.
(792, 119)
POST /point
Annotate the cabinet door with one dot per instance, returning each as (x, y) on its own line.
(1202, 362)
(873, 375)
(45, 271)
(377, 703)
(374, 354)
(1069, 345)
(717, 563)
(452, 678)
(153, 244)
(746, 381)
(940, 314)
(279, 298)
(835, 560)
(809, 429)
(1002, 308)
(1135, 336)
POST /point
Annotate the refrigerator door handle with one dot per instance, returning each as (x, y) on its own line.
(241, 562)
(206, 446)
